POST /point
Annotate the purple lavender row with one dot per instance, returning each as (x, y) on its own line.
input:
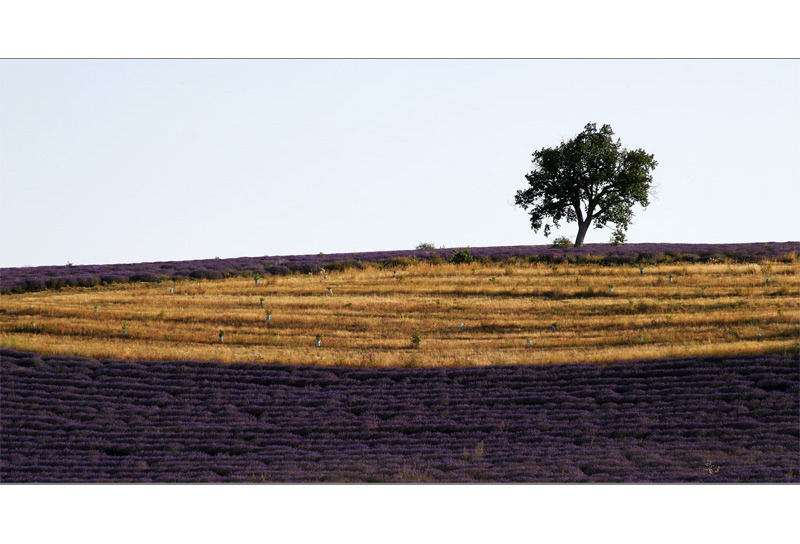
(17, 280)
(68, 419)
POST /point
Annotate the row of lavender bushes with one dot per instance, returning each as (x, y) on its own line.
(69, 419)
(18, 280)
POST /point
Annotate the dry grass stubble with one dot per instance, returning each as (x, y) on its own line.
(600, 314)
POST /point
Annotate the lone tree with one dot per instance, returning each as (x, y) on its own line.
(588, 178)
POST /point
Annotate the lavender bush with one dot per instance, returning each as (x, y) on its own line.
(70, 419)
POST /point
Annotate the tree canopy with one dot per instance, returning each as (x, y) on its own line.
(588, 179)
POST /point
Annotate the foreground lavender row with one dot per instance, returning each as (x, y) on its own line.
(684, 420)
(52, 277)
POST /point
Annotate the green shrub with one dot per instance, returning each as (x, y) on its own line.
(562, 242)
(463, 256)
(423, 246)
(617, 238)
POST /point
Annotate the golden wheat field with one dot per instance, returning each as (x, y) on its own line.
(424, 315)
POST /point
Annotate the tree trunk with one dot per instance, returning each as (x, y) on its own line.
(582, 229)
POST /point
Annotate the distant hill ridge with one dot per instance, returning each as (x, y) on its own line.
(39, 278)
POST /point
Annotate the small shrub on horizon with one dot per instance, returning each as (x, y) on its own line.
(617, 238)
(424, 246)
(562, 242)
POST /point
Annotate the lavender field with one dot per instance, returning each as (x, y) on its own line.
(23, 279)
(682, 420)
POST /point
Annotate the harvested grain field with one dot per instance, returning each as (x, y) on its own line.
(424, 315)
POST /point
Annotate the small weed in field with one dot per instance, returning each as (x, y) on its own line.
(476, 453)
(416, 340)
(412, 474)
(264, 477)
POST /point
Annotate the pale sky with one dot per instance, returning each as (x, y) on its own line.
(118, 161)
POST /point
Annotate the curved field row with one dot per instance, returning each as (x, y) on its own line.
(28, 279)
(474, 314)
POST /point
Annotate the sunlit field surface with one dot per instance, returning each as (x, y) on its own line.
(463, 315)
(428, 372)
